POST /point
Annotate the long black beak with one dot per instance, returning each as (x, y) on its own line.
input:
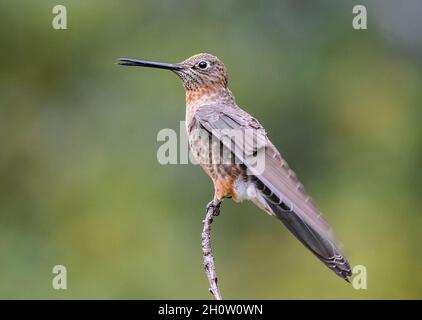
(150, 64)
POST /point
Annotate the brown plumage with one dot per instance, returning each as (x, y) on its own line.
(211, 116)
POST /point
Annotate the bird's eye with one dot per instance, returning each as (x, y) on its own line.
(202, 65)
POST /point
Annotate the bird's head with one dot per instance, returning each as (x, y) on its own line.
(201, 71)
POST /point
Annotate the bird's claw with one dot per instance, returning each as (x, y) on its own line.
(215, 207)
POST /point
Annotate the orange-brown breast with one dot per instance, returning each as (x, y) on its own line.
(224, 177)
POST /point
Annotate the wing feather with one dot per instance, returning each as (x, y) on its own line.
(294, 208)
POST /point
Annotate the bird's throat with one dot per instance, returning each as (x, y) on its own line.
(207, 95)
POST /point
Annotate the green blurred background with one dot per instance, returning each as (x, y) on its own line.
(80, 184)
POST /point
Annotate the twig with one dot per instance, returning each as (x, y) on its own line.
(209, 264)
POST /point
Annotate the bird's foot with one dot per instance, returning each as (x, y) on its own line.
(214, 205)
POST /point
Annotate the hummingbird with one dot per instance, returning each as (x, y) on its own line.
(210, 109)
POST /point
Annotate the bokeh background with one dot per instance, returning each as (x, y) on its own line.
(80, 184)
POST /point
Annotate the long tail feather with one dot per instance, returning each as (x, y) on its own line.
(319, 245)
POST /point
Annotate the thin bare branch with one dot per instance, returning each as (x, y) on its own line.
(209, 264)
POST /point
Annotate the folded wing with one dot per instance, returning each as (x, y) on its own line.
(277, 183)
